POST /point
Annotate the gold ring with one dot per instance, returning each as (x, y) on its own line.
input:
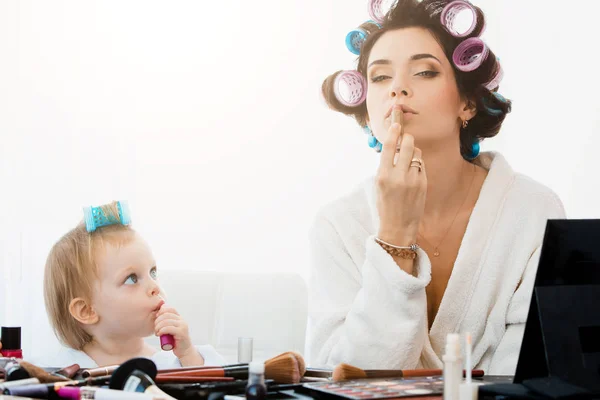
(417, 166)
(417, 160)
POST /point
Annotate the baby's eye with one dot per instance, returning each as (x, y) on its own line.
(131, 279)
(154, 273)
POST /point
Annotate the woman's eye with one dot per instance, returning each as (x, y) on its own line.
(378, 78)
(429, 74)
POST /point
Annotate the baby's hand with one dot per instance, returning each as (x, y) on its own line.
(169, 322)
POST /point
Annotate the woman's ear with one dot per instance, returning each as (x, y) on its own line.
(469, 110)
(82, 311)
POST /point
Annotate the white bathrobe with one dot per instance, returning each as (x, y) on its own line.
(366, 311)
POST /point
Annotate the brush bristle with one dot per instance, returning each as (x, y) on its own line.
(40, 373)
(282, 369)
(346, 372)
(301, 362)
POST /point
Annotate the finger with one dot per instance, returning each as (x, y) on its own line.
(161, 320)
(167, 309)
(168, 322)
(169, 330)
(398, 118)
(407, 150)
(169, 314)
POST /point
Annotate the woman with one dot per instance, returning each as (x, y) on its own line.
(442, 239)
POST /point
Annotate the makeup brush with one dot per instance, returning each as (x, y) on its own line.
(282, 369)
(37, 372)
(300, 360)
(167, 370)
(190, 379)
(345, 372)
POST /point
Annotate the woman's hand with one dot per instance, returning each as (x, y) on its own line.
(401, 186)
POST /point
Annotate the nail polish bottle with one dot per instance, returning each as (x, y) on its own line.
(11, 342)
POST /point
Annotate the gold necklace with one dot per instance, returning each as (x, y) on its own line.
(436, 251)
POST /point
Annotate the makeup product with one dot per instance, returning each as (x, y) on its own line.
(244, 349)
(204, 389)
(67, 372)
(44, 376)
(13, 371)
(231, 372)
(48, 390)
(10, 336)
(137, 375)
(167, 342)
(164, 371)
(100, 371)
(20, 382)
(366, 389)
(256, 388)
(468, 390)
(346, 372)
(89, 392)
(283, 369)
(141, 383)
(190, 379)
(452, 367)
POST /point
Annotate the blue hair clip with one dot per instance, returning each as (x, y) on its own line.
(95, 217)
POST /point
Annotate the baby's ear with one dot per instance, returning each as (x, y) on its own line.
(82, 311)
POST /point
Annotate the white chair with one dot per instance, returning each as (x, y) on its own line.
(220, 307)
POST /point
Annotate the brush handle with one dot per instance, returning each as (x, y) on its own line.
(234, 372)
(318, 373)
(411, 373)
(165, 371)
(190, 379)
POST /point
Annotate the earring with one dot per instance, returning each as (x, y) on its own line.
(474, 151)
(465, 123)
(373, 142)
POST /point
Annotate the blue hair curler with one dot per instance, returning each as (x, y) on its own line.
(357, 36)
(355, 39)
(475, 149)
(95, 218)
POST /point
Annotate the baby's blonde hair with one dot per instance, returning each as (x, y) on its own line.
(71, 271)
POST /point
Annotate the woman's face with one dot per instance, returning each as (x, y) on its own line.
(408, 66)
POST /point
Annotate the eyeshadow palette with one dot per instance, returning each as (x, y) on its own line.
(379, 388)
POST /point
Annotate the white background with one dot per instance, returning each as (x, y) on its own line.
(207, 117)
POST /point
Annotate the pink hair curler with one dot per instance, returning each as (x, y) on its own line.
(470, 54)
(495, 82)
(376, 8)
(356, 88)
(449, 14)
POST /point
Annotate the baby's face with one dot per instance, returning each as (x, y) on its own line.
(126, 297)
